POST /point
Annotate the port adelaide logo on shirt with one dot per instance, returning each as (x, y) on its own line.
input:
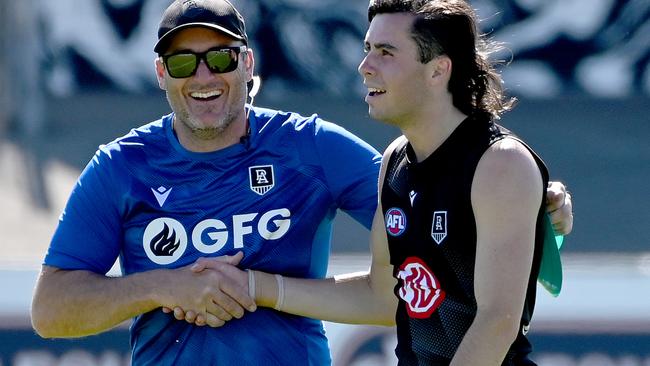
(261, 178)
(439, 226)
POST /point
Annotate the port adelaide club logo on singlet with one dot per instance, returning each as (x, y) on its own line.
(439, 226)
(261, 178)
(420, 288)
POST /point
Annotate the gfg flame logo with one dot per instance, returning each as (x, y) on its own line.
(165, 239)
(420, 289)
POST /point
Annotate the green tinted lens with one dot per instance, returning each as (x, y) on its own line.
(221, 60)
(181, 65)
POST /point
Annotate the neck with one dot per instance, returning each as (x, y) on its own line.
(432, 129)
(203, 141)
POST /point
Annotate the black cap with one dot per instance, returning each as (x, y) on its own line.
(219, 15)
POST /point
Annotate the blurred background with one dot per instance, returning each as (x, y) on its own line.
(78, 73)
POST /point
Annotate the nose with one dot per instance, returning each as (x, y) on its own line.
(365, 68)
(202, 71)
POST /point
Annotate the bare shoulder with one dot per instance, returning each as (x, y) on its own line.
(507, 169)
(509, 151)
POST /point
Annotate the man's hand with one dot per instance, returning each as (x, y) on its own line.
(560, 207)
(223, 294)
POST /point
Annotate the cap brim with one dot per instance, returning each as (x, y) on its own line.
(550, 270)
(163, 42)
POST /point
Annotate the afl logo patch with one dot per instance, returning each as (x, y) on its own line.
(420, 289)
(395, 221)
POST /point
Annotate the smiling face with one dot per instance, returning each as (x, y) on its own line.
(208, 107)
(397, 81)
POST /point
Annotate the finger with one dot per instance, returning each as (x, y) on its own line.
(562, 218)
(232, 259)
(238, 295)
(198, 266)
(190, 316)
(179, 314)
(218, 312)
(556, 186)
(555, 198)
(200, 320)
(213, 262)
(225, 308)
(166, 310)
(213, 321)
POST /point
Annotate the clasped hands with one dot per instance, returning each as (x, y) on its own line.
(214, 291)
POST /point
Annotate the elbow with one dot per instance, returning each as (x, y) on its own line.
(44, 318)
(41, 327)
(47, 328)
(43, 331)
(45, 315)
(41, 323)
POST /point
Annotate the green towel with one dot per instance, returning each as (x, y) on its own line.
(550, 270)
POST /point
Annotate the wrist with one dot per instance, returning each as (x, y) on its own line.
(280, 298)
(266, 289)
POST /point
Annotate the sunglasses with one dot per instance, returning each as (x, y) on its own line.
(219, 60)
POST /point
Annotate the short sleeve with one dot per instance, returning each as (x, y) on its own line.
(89, 234)
(351, 168)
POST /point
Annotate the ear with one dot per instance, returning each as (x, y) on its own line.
(249, 60)
(160, 73)
(441, 69)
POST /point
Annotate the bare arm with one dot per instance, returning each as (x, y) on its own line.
(358, 298)
(506, 193)
(75, 303)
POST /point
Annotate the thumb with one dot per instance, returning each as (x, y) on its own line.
(231, 259)
(212, 263)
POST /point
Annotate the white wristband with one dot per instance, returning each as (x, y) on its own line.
(251, 284)
(280, 301)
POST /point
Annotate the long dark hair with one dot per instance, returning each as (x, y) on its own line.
(449, 27)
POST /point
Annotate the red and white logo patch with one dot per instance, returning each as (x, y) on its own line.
(420, 289)
(395, 220)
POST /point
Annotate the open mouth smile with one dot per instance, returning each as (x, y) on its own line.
(206, 96)
(374, 92)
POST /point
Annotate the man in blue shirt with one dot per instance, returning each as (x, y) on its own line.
(216, 177)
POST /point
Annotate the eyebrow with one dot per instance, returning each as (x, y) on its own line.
(380, 45)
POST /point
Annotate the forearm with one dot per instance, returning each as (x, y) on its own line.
(501, 331)
(80, 303)
(345, 299)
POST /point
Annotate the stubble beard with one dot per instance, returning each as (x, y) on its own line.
(210, 133)
(205, 133)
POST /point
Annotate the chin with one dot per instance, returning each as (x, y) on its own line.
(378, 116)
(374, 114)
